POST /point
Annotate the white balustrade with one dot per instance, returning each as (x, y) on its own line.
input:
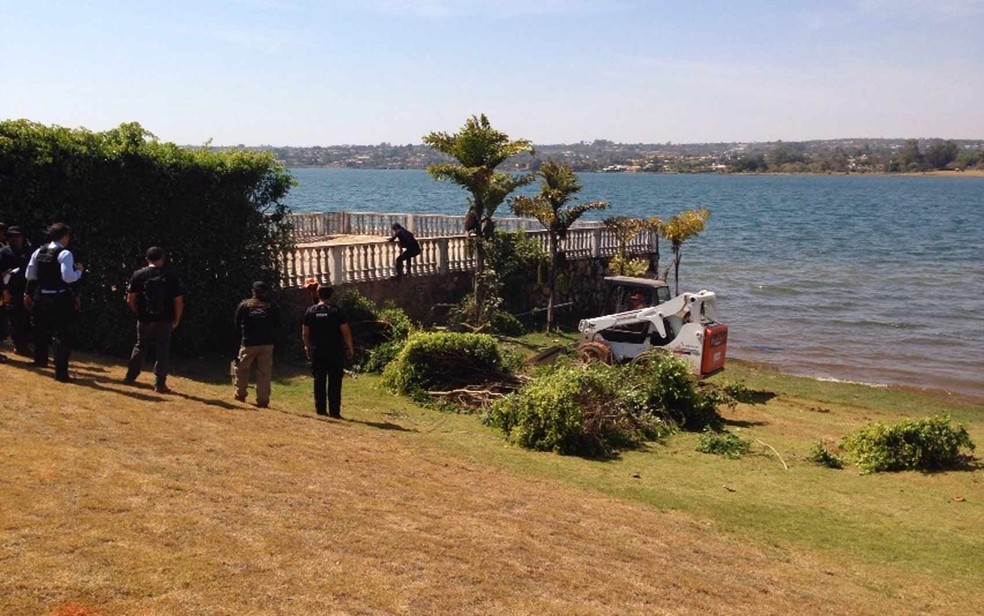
(444, 249)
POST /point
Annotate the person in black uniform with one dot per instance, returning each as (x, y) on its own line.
(51, 274)
(155, 295)
(409, 244)
(327, 344)
(4, 295)
(256, 319)
(14, 258)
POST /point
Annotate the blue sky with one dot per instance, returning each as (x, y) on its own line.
(300, 72)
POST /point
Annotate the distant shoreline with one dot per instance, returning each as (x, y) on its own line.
(970, 173)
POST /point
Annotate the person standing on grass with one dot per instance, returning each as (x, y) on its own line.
(256, 319)
(49, 294)
(14, 258)
(327, 344)
(155, 295)
(410, 246)
(4, 294)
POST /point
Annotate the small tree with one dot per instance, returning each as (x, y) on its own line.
(680, 228)
(477, 150)
(558, 185)
(941, 153)
(625, 229)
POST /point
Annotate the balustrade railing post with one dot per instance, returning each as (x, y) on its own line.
(337, 267)
(443, 266)
(596, 243)
(411, 223)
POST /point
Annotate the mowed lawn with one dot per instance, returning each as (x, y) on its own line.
(116, 500)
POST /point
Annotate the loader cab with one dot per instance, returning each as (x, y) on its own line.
(626, 293)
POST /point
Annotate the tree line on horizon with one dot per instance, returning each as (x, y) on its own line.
(819, 156)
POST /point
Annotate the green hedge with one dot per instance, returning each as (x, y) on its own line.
(219, 216)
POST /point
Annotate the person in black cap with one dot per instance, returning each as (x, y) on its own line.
(4, 295)
(51, 274)
(327, 344)
(410, 246)
(155, 295)
(14, 258)
(256, 319)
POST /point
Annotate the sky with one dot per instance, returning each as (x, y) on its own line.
(301, 72)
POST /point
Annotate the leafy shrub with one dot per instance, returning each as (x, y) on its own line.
(519, 261)
(378, 333)
(596, 409)
(381, 356)
(723, 443)
(666, 388)
(356, 306)
(627, 266)
(399, 324)
(505, 324)
(822, 456)
(493, 318)
(739, 391)
(219, 215)
(929, 443)
(443, 360)
(575, 409)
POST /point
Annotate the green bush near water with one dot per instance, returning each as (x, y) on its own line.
(930, 443)
(596, 410)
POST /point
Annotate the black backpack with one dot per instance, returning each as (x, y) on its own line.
(157, 300)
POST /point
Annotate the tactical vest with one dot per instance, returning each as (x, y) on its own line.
(49, 269)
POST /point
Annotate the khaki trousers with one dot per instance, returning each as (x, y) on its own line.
(262, 355)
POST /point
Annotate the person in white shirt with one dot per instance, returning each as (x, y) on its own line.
(51, 272)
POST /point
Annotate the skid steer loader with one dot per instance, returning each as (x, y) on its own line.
(646, 319)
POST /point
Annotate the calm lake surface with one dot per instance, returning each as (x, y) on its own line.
(874, 279)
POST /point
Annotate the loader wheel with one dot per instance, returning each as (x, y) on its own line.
(595, 351)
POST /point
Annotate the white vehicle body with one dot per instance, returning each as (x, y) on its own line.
(685, 325)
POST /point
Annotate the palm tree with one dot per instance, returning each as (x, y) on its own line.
(558, 185)
(477, 150)
(680, 228)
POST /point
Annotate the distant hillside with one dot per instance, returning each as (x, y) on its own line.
(818, 156)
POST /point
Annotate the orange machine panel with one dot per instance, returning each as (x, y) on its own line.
(715, 348)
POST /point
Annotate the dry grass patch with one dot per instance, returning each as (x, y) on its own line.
(121, 500)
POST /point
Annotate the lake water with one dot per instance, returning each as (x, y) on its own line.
(874, 279)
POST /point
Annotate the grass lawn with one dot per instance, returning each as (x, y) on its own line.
(118, 500)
